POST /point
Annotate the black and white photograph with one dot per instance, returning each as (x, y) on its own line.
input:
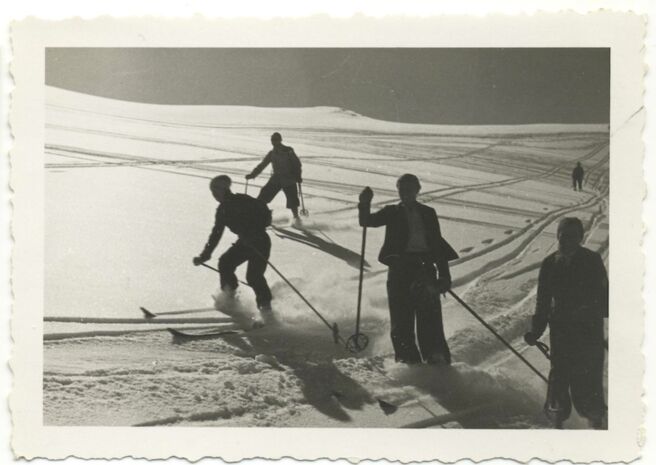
(387, 237)
(326, 248)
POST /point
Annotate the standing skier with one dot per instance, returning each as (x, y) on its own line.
(413, 246)
(577, 176)
(573, 300)
(247, 218)
(286, 174)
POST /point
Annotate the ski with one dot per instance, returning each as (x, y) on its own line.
(451, 416)
(212, 333)
(179, 335)
(149, 314)
(140, 321)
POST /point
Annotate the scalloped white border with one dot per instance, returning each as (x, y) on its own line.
(622, 32)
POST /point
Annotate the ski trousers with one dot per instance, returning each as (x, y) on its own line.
(576, 376)
(409, 311)
(273, 186)
(256, 251)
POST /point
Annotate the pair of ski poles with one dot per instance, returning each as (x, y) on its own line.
(303, 211)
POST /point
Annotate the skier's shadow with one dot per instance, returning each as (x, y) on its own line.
(458, 389)
(310, 356)
(304, 236)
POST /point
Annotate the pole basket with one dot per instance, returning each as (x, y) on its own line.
(357, 343)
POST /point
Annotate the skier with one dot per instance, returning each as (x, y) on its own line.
(577, 176)
(247, 218)
(286, 174)
(573, 300)
(412, 247)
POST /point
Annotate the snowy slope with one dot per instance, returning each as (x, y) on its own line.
(128, 206)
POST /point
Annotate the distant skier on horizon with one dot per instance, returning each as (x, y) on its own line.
(412, 248)
(247, 218)
(573, 300)
(577, 176)
(286, 174)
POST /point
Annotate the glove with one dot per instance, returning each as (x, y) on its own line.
(250, 176)
(443, 285)
(366, 195)
(300, 181)
(530, 338)
(202, 258)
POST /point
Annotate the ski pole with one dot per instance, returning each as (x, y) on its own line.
(333, 328)
(358, 341)
(214, 269)
(304, 212)
(246, 187)
(498, 336)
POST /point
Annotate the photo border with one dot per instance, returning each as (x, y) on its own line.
(623, 33)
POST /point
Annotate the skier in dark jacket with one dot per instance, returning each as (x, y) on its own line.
(573, 300)
(247, 218)
(577, 177)
(286, 174)
(412, 248)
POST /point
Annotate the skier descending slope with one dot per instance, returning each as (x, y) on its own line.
(286, 174)
(573, 300)
(413, 246)
(247, 218)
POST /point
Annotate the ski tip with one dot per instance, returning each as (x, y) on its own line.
(176, 334)
(386, 407)
(147, 314)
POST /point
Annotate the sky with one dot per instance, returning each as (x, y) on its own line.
(412, 85)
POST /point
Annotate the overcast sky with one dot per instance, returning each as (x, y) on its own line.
(443, 86)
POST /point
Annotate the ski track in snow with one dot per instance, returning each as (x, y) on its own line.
(278, 376)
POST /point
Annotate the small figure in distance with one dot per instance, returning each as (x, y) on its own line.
(577, 177)
(412, 248)
(573, 300)
(286, 174)
(247, 218)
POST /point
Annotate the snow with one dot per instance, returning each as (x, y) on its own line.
(128, 207)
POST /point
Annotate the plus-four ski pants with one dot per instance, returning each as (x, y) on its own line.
(254, 250)
(410, 310)
(273, 186)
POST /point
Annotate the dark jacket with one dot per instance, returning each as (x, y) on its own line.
(243, 215)
(572, 296)
(285, 163)
(577, 172)
(395, 219)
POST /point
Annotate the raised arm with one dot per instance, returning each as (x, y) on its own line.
(380, 218)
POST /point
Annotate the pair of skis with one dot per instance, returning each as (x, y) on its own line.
(181, 335)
